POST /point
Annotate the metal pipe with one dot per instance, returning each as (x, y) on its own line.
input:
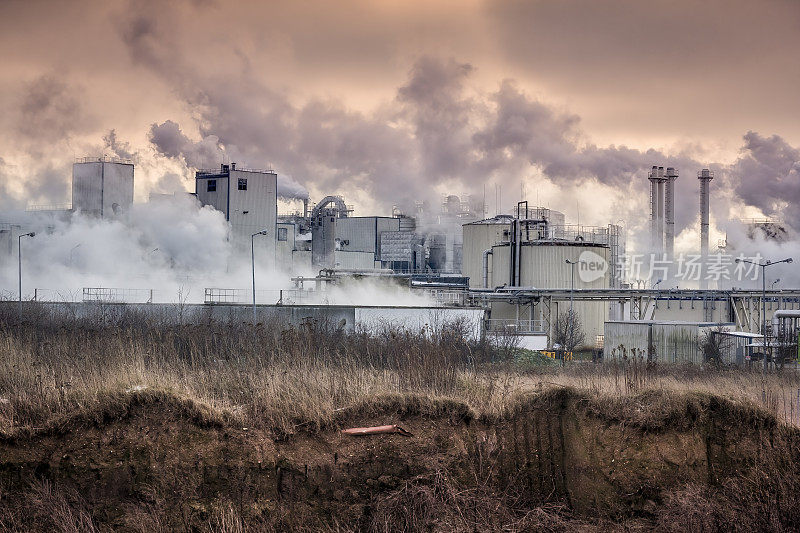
(518, 257)
(782, 313)
(486, 254)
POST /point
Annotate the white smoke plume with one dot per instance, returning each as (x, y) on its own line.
(169, 245)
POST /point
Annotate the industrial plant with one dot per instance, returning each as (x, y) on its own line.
(516, 273)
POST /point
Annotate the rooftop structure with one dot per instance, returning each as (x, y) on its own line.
(101, 186)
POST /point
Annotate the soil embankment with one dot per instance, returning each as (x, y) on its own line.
(561, 460)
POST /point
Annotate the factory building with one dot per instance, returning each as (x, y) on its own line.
(659, 341)
(248, 199)
(483, 235)
(443, 233)
(102, 187)
(525, 251)
(8, 240)
(402, 251)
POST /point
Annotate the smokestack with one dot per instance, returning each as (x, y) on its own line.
(705, 176)
(305, 207)
(669, 212)
(656, 177)
(661, 182)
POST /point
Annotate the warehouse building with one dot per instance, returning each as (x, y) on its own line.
(659, 341)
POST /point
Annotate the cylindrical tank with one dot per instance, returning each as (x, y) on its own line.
(437, 247)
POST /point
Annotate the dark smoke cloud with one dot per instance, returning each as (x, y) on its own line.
(768, 176)
(170, 141)
(49, 111)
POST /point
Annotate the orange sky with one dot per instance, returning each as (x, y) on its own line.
(688, 79)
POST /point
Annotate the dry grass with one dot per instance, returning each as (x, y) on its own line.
(54, 369)
(59, 373)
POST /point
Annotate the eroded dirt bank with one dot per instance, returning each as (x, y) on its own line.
(562, 460)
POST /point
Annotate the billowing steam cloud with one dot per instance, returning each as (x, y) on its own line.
(170, 141)
(169, 245)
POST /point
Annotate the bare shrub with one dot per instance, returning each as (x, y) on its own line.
(568, 331)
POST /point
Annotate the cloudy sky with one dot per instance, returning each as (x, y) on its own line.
(388, 102)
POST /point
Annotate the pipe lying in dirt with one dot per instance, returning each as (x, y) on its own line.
(377, 430)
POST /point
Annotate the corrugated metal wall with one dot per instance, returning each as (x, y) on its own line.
(102, 188)
(362, 233)
(357, 260)
(544, 266)
(117, 188)
(667, 342)
(628, 335)
(677, 343)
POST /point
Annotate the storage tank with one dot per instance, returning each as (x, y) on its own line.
(437, 252)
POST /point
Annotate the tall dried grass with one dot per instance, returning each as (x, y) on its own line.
(286, 378)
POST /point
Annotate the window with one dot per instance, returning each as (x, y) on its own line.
(283, 234)
(242, 184)
(211, 186)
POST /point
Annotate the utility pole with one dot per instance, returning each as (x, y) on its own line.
(19, 257)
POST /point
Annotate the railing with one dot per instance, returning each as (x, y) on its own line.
(104, 159)
(445, 296)
(55, 295)
(49, 207)
(223, 296)
(116, 295)
(515, 326)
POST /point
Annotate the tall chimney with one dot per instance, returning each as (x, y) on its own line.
(654, 235)
(705, 176)
(669, 212)
(661, 182)
(657, 181)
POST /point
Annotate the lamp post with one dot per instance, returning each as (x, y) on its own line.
(572, 283)
(253, 267)
(778, 280)
(657, 282)
(19, 256)
(764, 266)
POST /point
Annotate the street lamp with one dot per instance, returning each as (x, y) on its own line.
(253, 267)
(657, 282)
(764, 266)
(572, 283)
(778, 280)
(19, 255)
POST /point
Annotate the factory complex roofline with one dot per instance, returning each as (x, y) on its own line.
(225, 169)
(497, 219)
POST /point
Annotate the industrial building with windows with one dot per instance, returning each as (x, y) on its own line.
(524, 269)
